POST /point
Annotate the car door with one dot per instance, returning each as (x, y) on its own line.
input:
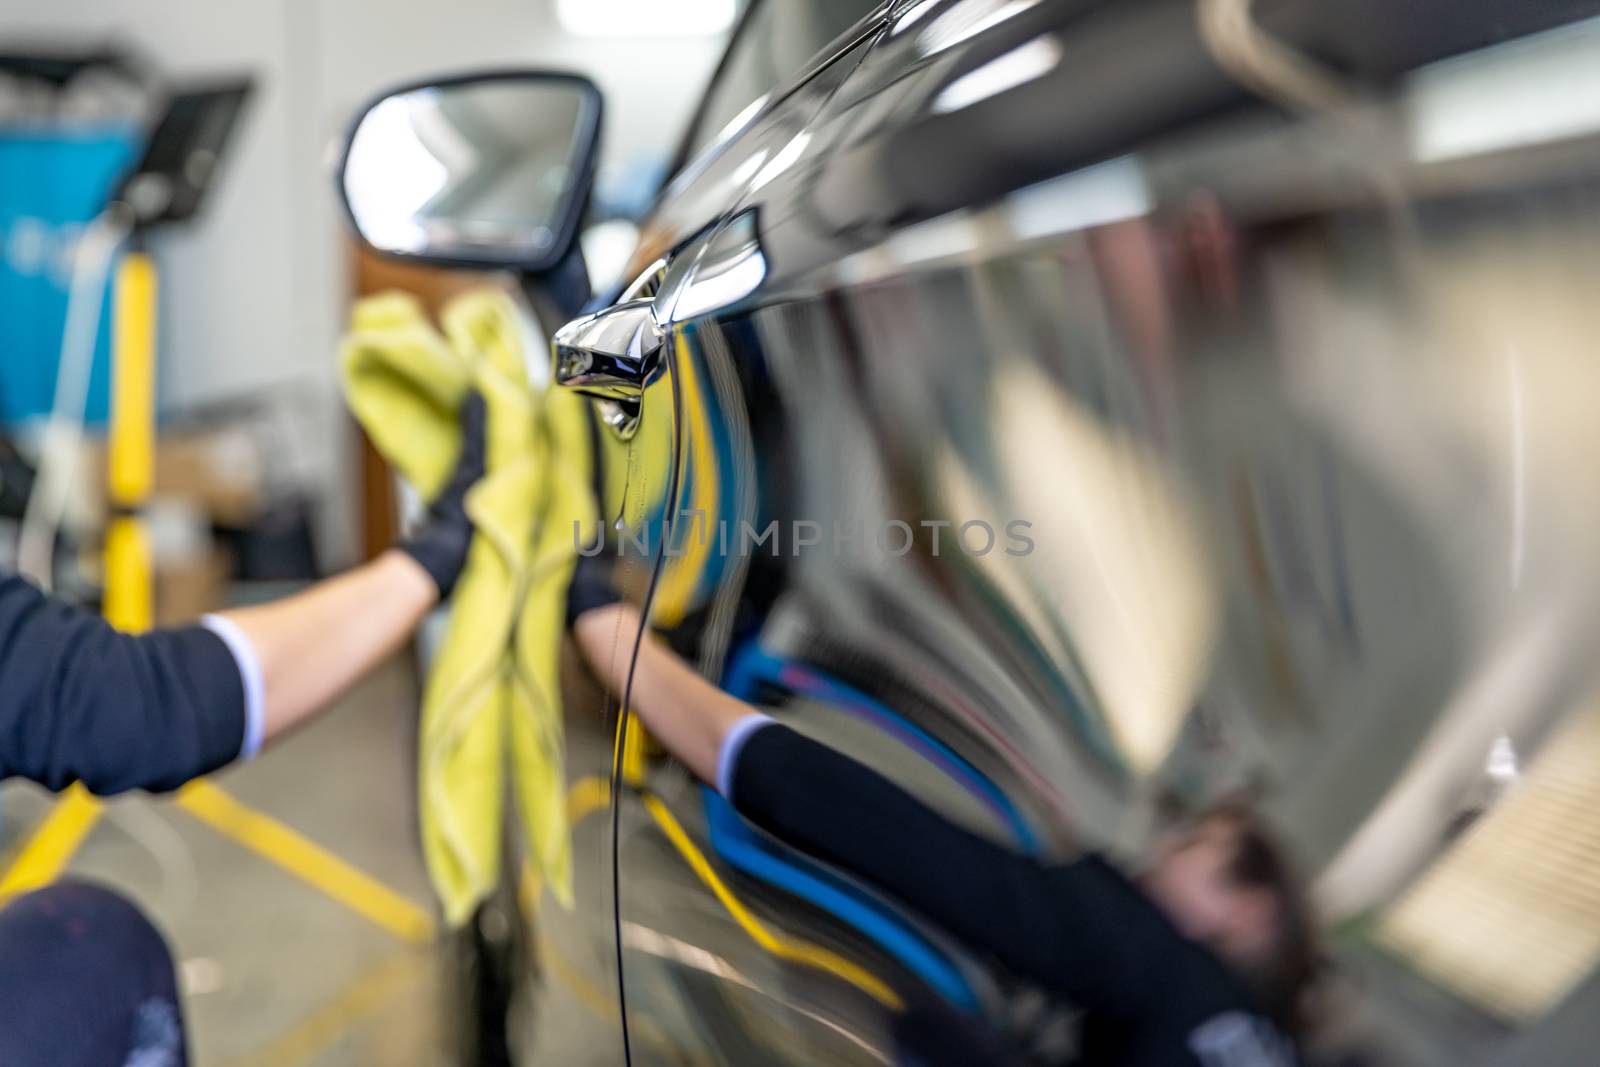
(705, 967)
(734, 948)
(1036, 440)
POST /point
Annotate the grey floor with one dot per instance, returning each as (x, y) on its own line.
(276, 972)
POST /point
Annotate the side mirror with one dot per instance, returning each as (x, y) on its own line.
(484, 170)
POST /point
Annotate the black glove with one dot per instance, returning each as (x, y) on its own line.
(593, 583)
(439, 542)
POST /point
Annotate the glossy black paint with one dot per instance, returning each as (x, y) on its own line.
(1229, 380)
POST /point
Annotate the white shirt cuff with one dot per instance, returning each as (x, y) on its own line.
(732, 742)
(255, 694)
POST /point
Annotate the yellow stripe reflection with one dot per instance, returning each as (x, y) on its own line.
(786, 948)
(590, 794)
(681, 576)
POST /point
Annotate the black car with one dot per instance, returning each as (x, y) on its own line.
(1080, 411)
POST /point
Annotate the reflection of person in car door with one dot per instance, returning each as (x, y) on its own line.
(1202, 961)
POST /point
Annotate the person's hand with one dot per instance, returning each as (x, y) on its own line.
(593, 584)
(440, 541)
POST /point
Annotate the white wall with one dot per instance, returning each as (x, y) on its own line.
(254, 294)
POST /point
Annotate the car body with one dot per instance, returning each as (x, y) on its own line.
(1146, 403)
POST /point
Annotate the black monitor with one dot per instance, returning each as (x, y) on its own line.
(180, 159)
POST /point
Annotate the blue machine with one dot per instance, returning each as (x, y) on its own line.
(53, 180)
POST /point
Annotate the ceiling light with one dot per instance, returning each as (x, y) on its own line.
(1017, 67)
(646, 18)
(1524, 92)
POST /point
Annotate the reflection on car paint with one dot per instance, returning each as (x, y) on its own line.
(1293, 404)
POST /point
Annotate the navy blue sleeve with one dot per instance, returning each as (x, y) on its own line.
(82, 702)
(1081, 929)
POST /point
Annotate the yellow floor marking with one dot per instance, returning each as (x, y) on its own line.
(362, 997)
(586, 796)
(50, 849)
(780, 945)
(308, 861)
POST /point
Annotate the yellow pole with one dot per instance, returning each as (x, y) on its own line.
(131, 445)
(131, 465)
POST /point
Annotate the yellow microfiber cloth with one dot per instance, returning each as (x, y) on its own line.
(493, 697)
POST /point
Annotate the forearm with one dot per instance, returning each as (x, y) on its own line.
(314, 645)
(302, 652)
(685, 713)
(829, 805)
(819, 799)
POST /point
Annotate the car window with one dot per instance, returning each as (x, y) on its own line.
(777, 42)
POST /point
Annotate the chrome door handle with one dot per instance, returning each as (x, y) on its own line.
(612, 354)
